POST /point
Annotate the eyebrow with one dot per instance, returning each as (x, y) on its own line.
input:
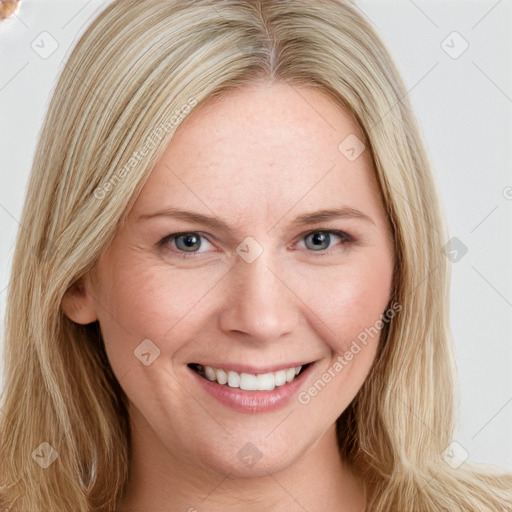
(304, 219)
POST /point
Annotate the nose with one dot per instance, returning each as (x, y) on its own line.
(260, 305)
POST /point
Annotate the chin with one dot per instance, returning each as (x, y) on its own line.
(241, 458)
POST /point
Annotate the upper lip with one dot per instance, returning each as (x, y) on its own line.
(244, 368)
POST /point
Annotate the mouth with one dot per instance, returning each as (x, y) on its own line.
(249, 381)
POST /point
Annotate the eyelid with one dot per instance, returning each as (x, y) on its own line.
(338, 232)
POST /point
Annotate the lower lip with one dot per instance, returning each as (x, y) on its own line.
(254, 402)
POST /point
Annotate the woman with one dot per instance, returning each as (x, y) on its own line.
(232, 295)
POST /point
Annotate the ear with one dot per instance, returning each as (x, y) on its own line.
(77, 303)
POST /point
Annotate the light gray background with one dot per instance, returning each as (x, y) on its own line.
(463, 101)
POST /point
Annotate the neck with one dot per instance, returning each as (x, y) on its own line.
(318, 481)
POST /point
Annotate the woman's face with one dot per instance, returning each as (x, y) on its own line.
(259, 282)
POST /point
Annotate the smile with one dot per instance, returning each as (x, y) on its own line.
(248, 381)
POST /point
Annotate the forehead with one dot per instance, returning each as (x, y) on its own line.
(262, 149)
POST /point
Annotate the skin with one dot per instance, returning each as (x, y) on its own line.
(256, 158)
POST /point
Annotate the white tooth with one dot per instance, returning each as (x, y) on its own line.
(280, 378)
(266, 382)
(233, 379)
(209, 372)
(248, 382)
(222, 378)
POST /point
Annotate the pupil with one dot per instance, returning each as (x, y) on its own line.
(320, 238)
(189, 241)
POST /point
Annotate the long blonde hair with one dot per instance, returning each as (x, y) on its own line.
(126, 87)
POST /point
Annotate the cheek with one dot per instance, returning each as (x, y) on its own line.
(351, 299)
(142, 300)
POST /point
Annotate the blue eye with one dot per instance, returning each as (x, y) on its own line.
(190, 242)
(321, 240)
(184, 242)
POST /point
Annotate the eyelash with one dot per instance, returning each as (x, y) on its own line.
(345, 239)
